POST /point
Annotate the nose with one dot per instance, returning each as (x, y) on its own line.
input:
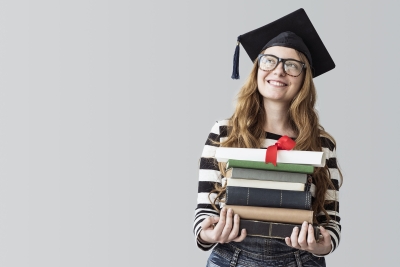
(279, 69)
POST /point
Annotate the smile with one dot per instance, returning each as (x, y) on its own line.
(276, 83)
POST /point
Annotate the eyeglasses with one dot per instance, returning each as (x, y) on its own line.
(291, 67)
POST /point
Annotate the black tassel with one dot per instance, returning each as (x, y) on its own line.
(235, 73)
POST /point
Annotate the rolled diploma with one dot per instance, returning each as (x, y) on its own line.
(314, 158)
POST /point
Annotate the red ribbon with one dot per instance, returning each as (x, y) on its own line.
(283, 143)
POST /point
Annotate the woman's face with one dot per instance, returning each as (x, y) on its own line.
(276, 85)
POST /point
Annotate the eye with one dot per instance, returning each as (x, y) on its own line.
(292, 65)
(268, 60)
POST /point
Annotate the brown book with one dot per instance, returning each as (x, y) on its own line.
(267, 214)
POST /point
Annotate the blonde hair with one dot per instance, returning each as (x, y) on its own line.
(246, 129)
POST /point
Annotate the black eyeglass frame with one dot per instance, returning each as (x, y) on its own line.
(283, 60)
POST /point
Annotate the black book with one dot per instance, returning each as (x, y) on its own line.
(263, 197)
(271, 229)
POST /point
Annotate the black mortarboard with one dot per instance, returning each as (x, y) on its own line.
(294, 30)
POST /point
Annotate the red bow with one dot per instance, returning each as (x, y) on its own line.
(283, 143)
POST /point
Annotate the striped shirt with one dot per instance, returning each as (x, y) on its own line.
(209, 174)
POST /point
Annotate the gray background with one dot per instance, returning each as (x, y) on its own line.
(105, 107)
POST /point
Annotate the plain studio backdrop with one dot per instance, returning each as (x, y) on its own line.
(105, 107)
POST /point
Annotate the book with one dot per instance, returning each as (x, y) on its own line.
(271, 229)
(314, 158)
(265, 184)
(261, 165)
(268, 175)
(267, 214)
(263, 197)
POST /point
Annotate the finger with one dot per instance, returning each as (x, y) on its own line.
(288, 242)
(294, 236)
(325, 234)
(302, 239)
(207, 226)
(310, 237)
(221, 223)
(242, 236)
(235, 229)
(209, 222)
(228, 226)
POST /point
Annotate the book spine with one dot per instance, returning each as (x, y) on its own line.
(282, 167)
(268, 175)
(277, 215)
(271, 229)
(262, 197)
(266, 184)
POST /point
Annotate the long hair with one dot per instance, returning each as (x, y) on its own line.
(246, 130)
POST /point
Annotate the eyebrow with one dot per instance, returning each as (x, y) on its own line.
(284, 58)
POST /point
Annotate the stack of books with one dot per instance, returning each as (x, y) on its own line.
(270, 200)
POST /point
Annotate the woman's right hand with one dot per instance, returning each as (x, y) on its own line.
(223, 229)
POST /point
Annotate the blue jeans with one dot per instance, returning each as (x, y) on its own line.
(260, 251)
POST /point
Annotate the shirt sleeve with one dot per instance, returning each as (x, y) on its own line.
(332, 199)
(209, 174)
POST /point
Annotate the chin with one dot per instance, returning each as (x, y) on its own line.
(276, 98)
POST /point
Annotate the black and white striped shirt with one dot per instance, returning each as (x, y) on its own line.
(209, 174)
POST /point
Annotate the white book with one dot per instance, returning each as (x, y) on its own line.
(314, 158)
(265, 184)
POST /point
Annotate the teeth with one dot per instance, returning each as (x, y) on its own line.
(276, 83)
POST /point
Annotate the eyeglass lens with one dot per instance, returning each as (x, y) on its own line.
(291, 67)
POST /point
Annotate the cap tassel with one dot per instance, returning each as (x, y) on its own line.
(235, 73)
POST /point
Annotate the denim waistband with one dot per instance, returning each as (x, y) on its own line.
(261, 248)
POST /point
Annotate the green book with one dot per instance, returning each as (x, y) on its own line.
(260, 165)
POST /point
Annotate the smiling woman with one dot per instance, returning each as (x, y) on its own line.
(273, 81)
(278, 99)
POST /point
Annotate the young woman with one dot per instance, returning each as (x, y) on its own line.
(277, 99)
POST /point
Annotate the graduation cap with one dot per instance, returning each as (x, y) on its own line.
(294, 30)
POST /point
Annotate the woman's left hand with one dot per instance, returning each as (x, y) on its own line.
(306, 240)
